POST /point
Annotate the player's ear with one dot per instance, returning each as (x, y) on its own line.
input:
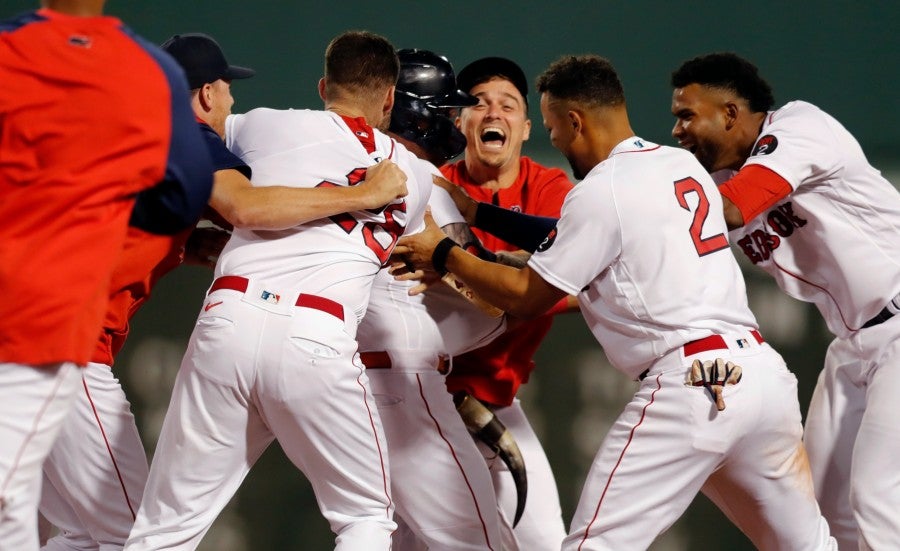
(527, 133)
(205, 96)
(389, 100)
(732, 110)
(321, 87)
(576, 120)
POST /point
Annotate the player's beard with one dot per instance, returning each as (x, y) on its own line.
(577, 172)
(384, 124)
(708, 154)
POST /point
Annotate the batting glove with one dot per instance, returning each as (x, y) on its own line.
(714, 376)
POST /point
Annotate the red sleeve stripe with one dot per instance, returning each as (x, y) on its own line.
(754, 189)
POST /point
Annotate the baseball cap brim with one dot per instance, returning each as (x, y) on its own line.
(235, 72)
(457, 98)
(484, 69)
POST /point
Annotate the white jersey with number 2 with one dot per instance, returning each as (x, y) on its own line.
(645, 297)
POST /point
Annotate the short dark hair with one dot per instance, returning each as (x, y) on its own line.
(361, 60)
(728, 71)
(586, 79)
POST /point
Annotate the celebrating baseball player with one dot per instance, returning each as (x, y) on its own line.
(440, 482)
(495, 170)
(808, 208)
(642, 245)
(69, 72)
(96, 472)
(273, 354)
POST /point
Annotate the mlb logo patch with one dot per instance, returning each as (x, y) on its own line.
(270, 297)
(742, 343)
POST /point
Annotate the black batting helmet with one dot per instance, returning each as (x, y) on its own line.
(425, 99)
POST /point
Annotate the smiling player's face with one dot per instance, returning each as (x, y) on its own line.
(701, 124)
(495, 128)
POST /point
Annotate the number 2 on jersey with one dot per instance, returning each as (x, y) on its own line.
(710, 244)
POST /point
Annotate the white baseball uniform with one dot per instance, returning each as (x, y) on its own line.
(835, 241)
(440, 482)
(274, 355)
(642, 244)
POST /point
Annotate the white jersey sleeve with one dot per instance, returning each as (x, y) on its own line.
(800, 144)
(443, 209)
(588, 216)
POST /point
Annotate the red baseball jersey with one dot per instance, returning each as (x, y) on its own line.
(494, 372)
(89, 114)
(146, 258)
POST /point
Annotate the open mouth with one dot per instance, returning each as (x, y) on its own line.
(492, 136)
(689, 146)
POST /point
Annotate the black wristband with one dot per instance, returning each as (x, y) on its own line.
(440, 254)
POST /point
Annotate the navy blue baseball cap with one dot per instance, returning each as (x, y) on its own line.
(202, 59)
(486, 68)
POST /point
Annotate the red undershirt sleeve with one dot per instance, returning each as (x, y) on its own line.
(754, 189)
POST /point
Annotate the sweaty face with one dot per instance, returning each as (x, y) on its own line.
(497, 126)
(700, 124)
(562, 134)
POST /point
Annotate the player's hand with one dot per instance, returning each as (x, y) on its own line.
(416, 250)
(466, 205)
(402, 271)
(204, 245)
(714, 376)
(384, 183)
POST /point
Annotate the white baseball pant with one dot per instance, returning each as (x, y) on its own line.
(853, 438)
(33, 406)
(95, 474)
(670, 442)
(440, 483)
(255, 371)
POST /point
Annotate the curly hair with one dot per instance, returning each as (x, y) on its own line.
(730, 72)
(587, 79)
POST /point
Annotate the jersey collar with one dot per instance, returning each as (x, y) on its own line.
(633, 144)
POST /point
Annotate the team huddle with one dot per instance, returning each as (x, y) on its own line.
(376, 303)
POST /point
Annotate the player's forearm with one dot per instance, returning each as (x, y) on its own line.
(522, 230)
(522, 293)
(499, 285)
(281, 207)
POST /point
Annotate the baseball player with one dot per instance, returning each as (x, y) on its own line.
(95, 475)
(68, 73)
(440, 482)
(643, 210)
(273, 354)
(808, 208)
(494, 170)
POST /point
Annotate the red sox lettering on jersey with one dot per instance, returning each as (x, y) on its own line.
(779, 223)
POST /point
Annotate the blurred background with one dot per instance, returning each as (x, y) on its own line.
(842, 56)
